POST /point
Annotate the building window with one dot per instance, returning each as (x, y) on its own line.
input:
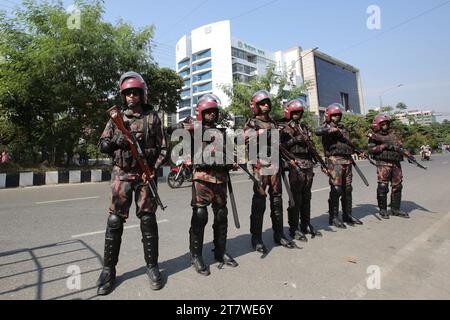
(184, 73)
(201, 77)
(186, 83)
(184, 114)
(183, 64)
(237, 53)
(237, 67)
(202, 66)
(344, 100)
(201, 55)
(184, 104)
(185, 93)
(203, 87)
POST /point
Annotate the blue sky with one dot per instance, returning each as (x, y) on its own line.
(412, 47)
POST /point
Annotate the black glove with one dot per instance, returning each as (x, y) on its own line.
(121, 141)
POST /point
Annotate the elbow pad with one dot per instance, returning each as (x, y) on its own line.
(107, 146)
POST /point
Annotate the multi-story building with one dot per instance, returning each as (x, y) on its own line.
(210, 57)
(419, 117)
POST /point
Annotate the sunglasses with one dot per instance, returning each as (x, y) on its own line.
(264, 102)
(132, 92)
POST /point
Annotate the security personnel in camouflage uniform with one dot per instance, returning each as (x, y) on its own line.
(301, 172)
(339, 160)
(126, 178)
(385, 150)
(209, 188)
(260, 106)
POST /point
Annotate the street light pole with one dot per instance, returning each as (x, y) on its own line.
(381, 94)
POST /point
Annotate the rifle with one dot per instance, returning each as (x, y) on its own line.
(399, 149)
(138, 155)
(355, 148)
(312, 150)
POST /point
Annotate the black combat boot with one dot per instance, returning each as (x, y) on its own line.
(293, 220)
(333, 209)
(113, 239)
(347, 207)
(149, 229)
(382, 192)
(277, 224)
(196, 234)
(256, 223)
(305, 217)
(396, 199)
(220, 228)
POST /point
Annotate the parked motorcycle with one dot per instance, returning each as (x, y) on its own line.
(180, 173)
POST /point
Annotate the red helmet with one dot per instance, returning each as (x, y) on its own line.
(333, 109)
(207, 102)
(256, 98)
(376, 123)
(292, 106)
(133, 80)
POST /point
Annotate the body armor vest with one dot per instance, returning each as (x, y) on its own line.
(333, 145)
(141, 126)
(387, 155)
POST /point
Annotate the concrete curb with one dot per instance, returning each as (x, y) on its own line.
(27, 179)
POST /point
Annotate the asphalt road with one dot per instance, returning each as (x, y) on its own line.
(50, 233)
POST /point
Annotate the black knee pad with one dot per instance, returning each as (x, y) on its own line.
(397, 189)
(148, 223)
(200, 216)
(383, 188)
(221, 215)
(259, 202)
(278, 203)
(336, 191)
(114, 222)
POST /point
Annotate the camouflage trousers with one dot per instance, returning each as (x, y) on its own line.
(207, 193)
(341, 172)
(123, 184)
(390, 173)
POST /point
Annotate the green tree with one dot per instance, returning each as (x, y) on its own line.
(58, 81)
(240, 93)
(401, 106)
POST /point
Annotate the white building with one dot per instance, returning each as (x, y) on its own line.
(419, 117)
(210, 57)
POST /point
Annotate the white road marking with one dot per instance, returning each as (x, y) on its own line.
(103, 231)
(360, 289)
(67, 200)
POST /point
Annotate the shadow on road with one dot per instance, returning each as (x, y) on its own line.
(37, 256)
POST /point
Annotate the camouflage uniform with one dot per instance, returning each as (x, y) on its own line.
(126, 179)
(273, 182)
(339, 161)
(388, 168)
(126, 174)
(300, 181)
